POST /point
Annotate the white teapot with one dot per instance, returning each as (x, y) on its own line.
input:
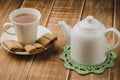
(88, 40)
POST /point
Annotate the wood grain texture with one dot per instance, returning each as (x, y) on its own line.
(45, 7)
(19, 65)
(116, 24)
(48, 66)
(103, 11)
(9, 64)
(6, 7)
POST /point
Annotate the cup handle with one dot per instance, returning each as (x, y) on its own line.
(117, 33)
(5, 30)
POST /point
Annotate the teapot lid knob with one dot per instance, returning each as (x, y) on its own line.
(90, 18)
(90, 24)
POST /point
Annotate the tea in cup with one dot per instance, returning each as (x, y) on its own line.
(25, 21)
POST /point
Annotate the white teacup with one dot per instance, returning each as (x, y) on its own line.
(26, 32)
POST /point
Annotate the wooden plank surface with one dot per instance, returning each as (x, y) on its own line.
(6, 6)
(8, 63)
(44, 7)
(116, 24)
(19, 65)
(47, 65)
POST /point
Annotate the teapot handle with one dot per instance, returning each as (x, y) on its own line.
(118, 36)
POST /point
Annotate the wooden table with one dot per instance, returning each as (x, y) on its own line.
(47, 65)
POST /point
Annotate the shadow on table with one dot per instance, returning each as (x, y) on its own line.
(48, 54)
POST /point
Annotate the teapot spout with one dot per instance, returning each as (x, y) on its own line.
(67, 30)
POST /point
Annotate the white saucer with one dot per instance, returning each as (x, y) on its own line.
(41, 31)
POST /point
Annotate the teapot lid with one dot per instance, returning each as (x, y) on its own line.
(90, 24)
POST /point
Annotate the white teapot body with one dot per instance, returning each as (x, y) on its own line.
(88, 48)
(88, 41)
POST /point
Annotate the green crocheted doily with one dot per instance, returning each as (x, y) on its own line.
(85, 69)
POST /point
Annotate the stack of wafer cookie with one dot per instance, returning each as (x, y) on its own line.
(40, 44)
(13, 45)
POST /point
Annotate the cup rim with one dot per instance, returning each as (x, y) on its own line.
(32, 9)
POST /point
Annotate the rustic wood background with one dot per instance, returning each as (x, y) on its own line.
(47, 65)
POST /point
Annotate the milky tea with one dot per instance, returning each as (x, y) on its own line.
(24, 18)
